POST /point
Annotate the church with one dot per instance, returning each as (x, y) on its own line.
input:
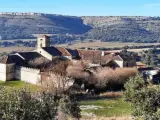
(13, 66)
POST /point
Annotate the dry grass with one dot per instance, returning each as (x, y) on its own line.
(131, 50)
(99, 44)
(111, 94)
(15, 49)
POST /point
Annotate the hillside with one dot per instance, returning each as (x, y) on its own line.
(125, 29)
(23, 26)
(111, 28)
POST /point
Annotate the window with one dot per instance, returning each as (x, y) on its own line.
(127, 64)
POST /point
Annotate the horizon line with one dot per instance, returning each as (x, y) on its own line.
(45, 13)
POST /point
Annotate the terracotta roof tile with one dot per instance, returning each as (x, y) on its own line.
(92, 55)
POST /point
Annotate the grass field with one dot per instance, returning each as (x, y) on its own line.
(77, 45)
(18, 85)
(15, 49)
(102, 109)
(100, 44)
(108, 107)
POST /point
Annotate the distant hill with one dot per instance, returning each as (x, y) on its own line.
(111, 28)
(125, 29)
(23, 26)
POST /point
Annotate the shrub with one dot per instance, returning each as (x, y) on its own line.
(114, 79)
(72, 106)
(101, 78)
(145, 99)
(132, 86)
(23, 105)
(44, 105)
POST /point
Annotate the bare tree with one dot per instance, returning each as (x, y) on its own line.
(56, 79)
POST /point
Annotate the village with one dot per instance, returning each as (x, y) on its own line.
(31, 66)
(79, 60)
(86, 74)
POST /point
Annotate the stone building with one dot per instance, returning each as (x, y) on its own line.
(16, 66)
(107, 59)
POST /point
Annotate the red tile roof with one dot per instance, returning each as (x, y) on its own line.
(92, 55)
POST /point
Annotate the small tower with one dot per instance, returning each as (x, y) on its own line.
(43, 41)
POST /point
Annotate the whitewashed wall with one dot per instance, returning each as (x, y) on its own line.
(44, 53)
(120, 63)
(28, 75)
(2, 72)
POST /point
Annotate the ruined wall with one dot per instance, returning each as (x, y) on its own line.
(28, 75)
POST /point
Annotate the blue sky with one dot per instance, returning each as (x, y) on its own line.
(84, 7)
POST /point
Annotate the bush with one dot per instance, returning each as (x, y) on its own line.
(44, 105)
(132, 86)
(72, 106)
(114, 79)
(23, 105)
(101, 78)
(145, 99)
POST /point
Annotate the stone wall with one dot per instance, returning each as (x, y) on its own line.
(28, 75)
(7, 72)
(130, 63)
(10, 72)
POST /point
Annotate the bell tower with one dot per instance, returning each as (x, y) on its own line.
(43, 41)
